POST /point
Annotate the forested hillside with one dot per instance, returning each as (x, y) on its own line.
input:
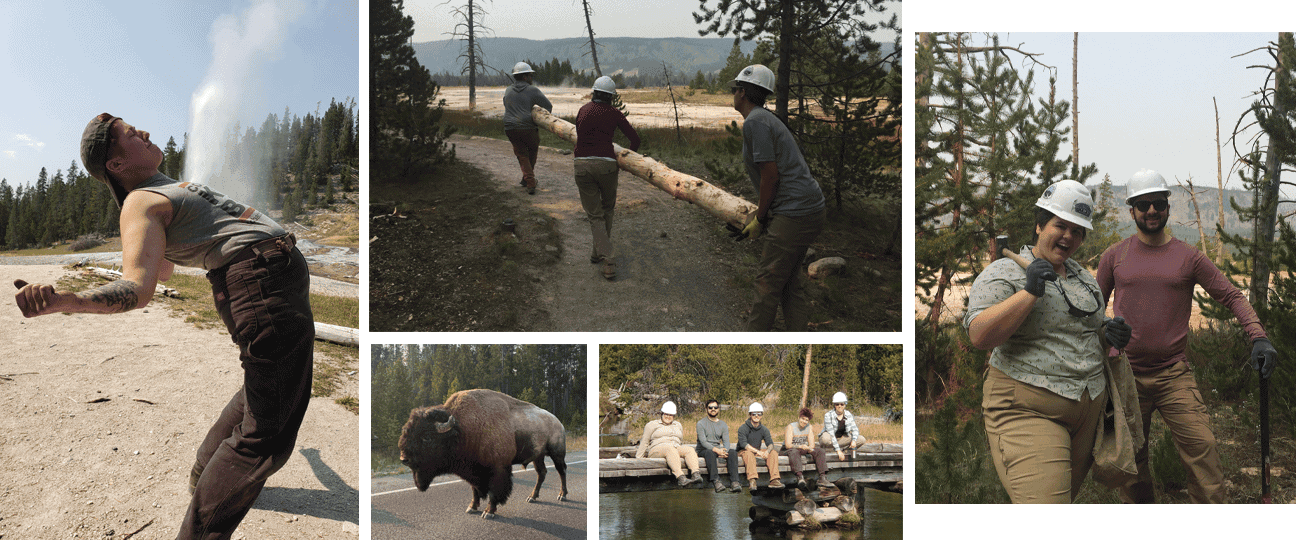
(304, 161)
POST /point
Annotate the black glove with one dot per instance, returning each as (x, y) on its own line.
(1039, 271)
(1117, 332)
(1263, 357)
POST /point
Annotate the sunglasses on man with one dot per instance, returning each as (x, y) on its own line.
(1160, 204)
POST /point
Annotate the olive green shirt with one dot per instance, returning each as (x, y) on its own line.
(1051, 349)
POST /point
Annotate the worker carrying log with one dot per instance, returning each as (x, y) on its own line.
(791, 211)
(596, 167)
(520, 129)
(1153, 276)
(1045, 391)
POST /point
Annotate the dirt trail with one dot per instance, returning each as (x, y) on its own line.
(673, 270)
(102, 415)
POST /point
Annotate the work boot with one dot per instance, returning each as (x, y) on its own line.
(735, 487)
(719, 486)
(775, 483)
(801, 484)
(696, 478)
(682, 480)
(751, 484)
(530, 183)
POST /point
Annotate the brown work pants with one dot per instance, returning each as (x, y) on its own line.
(770, 455)
(674, 455)
(1041, 443)
(265, 304)
(596, 180)
(1173, 391)
(526, 147)
(780, 281)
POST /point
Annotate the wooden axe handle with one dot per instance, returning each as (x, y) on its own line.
(1015, 257)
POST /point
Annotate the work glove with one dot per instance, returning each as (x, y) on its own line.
(1039, 271)
(754, 228)
(1117, 332)
(1263, 357)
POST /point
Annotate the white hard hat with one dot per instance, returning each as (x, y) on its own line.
(605, 84)
(522, 67)
(756, 74)
(839, 397)
(1143, 182)
(668, 407)
(755, 407)
(1069, 200)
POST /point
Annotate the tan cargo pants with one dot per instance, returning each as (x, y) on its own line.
(770, 455)
(597, 182)
(674, 455)
(780, 281)
(1041, 443)
(1173, 391)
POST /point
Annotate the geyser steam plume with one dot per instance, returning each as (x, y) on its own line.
(242, 45)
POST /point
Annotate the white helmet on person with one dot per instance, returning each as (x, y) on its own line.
(1143, 182)
(756, 407)
(605, 84)
(668, 408)
(755, 74)
(1069, 200)
(839, 397)
(522, 67)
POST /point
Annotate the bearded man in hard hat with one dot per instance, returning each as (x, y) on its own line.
(519, 126)
(596, 167)
(1043, 397)
(261, 287)
(663, 438)
(1153, 275)
(839, 428)
(756, 441)
(791, 212)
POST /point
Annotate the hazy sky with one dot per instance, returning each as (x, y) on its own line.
(556, 19)
(65, 61)
(1145, 98)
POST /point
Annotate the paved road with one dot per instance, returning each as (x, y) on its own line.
(399, 511)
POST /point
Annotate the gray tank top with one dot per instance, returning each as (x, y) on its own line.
(207, 228)
(800, 437)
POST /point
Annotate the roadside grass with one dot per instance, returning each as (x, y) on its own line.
(65, 248)
(683, 94)
(333, 363)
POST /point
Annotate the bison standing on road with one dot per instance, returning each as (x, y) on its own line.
(479, 435)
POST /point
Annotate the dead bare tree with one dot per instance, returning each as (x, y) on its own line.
(805, 379)
(1075, 101)
(471, 17)
(1219, 181)
(1193, 192)
(678, 134)
(593, 44)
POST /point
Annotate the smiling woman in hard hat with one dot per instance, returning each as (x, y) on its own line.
(839, 428)
(791, 211)
(519, 127)
(596, 166)
(662, 438)
(1043, 395)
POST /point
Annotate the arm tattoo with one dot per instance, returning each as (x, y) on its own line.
(118, 296)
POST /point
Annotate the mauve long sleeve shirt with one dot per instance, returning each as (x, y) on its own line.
(596, 124)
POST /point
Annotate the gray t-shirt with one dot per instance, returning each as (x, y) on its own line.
(207, 228)
(1051, 349)
(766, 139)
(712, 434)
(518, 100)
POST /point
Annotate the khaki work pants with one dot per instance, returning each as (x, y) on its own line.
(1041, 443)
(780, 280)
(1173, 391)
(597, 181)
(673, 455)
(526, 147)
(770, 455)
(826, 440)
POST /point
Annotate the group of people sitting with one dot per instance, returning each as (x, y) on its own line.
(664, 438)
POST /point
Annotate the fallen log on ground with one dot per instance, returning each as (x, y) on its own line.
(720, 203)
(824, 514)
(113, 274)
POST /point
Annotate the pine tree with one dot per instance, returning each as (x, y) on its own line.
(404, 136)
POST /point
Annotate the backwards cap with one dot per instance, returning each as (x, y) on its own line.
(96, 142)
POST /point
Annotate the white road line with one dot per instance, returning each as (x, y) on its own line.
(456, 481)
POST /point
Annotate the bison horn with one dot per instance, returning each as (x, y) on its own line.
(443, 427)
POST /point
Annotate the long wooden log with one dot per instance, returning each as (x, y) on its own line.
(823, 514)
(159, 289)
(720, 203)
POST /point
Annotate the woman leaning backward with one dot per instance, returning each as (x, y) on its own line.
(1043, 395)
(596, 167)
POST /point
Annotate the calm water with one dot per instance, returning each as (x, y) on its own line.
(704, 514)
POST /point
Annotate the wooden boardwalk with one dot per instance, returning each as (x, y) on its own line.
(877, 465)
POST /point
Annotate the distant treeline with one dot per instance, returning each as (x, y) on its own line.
(409, 376)
(306, 159)
(555, 72)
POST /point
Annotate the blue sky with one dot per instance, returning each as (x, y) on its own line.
(65, 61)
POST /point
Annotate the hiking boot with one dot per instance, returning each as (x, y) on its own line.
(735, 487)
(595, 259)
(696, 478)
(719, 486)
(682, 480)
(801, 484)
(775, 483)
(609, 270)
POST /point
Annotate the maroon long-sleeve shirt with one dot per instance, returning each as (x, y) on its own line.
(1154, 293)
(596, 123)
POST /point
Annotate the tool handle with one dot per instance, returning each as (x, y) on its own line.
(1265, 497)
(1015, 257)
